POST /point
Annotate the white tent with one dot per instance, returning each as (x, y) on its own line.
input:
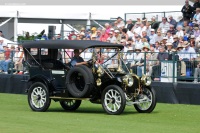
(7, 42)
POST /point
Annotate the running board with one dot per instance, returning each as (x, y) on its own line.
(68, 98)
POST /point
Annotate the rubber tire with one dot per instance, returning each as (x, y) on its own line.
(153, 105)
(123, 99)
(73, 90)
(89, 72)
(48, 100)
(70, 108)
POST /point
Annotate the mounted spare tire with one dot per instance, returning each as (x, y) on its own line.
(79, 81)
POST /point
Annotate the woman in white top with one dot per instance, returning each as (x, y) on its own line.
(179, 33)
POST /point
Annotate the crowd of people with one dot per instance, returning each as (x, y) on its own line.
(165, 40)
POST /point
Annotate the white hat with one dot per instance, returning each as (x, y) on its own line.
(168, 44)
(110, 32)
(152, 30)
(116, 31)
(164, 38)
(192, 36)
(111, 29)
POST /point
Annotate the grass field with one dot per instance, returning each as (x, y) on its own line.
(16, 117)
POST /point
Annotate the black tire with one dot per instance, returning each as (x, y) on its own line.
(70, 105)
(89, 72)
(109, 98)
(150, 93)
(79, 83)
(38, 97)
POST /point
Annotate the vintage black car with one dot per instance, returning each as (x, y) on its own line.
(112, 86)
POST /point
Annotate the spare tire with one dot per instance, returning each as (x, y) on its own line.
(79, 83)
(89, 72)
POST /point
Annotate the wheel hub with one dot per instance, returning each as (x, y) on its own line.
(38, 97)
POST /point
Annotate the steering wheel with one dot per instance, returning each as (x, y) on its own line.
(90, 62)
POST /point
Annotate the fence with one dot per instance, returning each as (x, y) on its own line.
(170, 69)
(149, 15)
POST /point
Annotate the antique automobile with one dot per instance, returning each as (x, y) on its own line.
(52, 78)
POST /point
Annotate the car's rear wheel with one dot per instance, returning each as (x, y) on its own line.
(113, 100)
(70, 105)
(38, 97)
(147, 101)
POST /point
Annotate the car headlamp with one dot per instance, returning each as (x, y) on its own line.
(128, 80)
(146, 80)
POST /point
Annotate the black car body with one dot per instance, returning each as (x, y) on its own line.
(113, 87)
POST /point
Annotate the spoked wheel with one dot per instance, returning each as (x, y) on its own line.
(147, 101)
(113, 100)
(38, 97)
(70, 105)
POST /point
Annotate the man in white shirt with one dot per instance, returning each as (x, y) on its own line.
(152, 37)
(164, 25)
(111, 38)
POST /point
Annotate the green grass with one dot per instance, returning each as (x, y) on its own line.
(16, 117)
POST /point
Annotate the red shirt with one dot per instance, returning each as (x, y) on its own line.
(7, 54)
(103, 38)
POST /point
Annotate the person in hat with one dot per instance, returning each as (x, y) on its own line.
(138, 56)
(93, 32)
(137, 28)
(128, 57)
(152, 60)
(187, 11)
(175, 41)
(98, 35)
(196, 16)
(190, 30)
(189, 53)
(152, 37)
(111, 38)
(180, 54)
(118, 36)
(195, 6)
(192, 41)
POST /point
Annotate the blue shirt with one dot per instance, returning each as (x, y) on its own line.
(76, 60)
(1, 48)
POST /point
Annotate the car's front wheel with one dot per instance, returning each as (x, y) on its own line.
(147, 101)
(113, 100)
(38, 97)
(70, 105)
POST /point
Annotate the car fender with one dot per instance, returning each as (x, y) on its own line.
(41, 78)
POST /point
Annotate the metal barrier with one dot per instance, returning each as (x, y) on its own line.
(172, 69)
(149, 15)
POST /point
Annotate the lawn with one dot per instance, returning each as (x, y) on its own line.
(16, 117)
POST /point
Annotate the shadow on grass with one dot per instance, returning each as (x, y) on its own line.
(93, 110)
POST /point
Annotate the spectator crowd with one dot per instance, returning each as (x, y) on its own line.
(166, 40)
